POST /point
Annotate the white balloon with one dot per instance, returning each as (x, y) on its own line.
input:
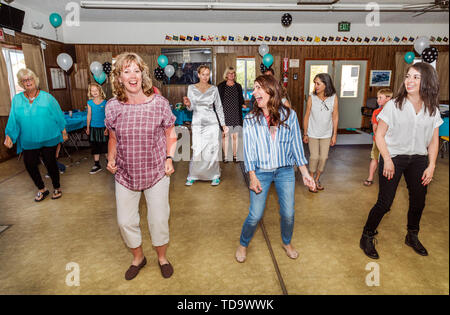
(169, 70)
(96, 68)
(263, 49)
(64, 61)
(421, 44)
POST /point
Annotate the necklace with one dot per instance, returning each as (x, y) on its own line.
(32, 98)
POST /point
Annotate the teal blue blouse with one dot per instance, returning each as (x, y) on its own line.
(36, 125)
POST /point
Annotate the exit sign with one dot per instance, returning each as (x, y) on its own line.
(344, 26)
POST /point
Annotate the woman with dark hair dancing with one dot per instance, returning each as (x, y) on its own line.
(408, 139)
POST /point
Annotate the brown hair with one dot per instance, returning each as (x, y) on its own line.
(124, 60)
(386, 92)
(329, 87)
(272, 87)
(429, 88)
(100, 90)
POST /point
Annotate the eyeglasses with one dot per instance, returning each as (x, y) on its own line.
(324, 105)
(27, 80)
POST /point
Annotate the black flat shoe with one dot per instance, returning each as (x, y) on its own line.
(41, 196)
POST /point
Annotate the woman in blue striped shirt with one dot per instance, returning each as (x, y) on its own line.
(272, 146)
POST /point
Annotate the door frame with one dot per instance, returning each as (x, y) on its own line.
(301, 109)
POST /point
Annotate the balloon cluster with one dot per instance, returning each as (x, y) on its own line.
(422, 47)
(267, 59)
(164, 68)
(98, 73)
(286, 20)
(263, 68)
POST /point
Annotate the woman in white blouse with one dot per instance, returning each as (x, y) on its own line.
(408, 140)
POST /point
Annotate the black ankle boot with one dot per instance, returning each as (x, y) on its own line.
(367, 244)
(412, 240)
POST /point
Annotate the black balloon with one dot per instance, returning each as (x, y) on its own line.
(286, 19)
(430, 54)
(159, 74)
(107, 67)
(263, 68)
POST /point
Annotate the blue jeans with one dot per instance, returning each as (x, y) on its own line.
(284, 178)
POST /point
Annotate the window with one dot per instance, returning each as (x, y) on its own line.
(349, 81)
(185, 62)
(15, 61)
(315, 70)
(245, 75)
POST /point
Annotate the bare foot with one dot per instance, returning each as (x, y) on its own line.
(241, 253)
(290, 251)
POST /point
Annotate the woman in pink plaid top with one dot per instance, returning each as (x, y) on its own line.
(140, 149)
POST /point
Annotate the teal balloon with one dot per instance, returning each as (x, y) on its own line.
(55, 20)
(267, 60)
(100, 79)
(163, 61)
(409, 57)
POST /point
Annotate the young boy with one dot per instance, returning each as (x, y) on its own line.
(383, 96)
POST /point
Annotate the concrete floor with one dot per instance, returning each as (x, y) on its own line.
(205, 224)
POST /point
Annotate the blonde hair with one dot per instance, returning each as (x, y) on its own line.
(102, 93)
(228, 70)
(386, 92)
(124, 60)
(27, 72)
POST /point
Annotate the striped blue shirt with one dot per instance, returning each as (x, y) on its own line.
(261, 151)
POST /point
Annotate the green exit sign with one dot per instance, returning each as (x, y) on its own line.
(344, 27)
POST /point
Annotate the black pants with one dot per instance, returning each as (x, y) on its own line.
(31, 160)
(412, 167)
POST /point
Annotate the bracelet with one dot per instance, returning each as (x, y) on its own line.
(169, 157)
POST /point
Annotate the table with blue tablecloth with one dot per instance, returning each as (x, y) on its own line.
(75, 125)
(182, 116)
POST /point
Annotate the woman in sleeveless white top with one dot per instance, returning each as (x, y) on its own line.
(320, 125)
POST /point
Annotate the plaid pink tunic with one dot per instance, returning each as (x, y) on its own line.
(141, 141)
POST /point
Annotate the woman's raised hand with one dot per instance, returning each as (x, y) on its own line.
(186, 101)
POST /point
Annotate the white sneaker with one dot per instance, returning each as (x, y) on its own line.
(189, 182)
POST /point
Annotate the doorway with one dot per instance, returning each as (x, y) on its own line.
(349, 78)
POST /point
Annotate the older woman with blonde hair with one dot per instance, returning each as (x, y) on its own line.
(232, 99)
(141, 146)
(36, 123)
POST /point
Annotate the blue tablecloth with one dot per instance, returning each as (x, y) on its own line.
(77, 121)
(182, 116)
(443, 129)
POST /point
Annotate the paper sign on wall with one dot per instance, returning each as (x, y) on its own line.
(294, 63)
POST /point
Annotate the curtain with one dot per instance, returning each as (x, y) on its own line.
(101, 57)
(34, 62)
(5, 96)
(223, 61)
(442, 70)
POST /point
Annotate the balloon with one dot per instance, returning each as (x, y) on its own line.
(163, 61)
(175, 65)
(55, 20)
(267, 60)
(263, 68)
(409, 57)
(100, 79)
(421, 44)
(107, 67)
(64, 61)
(169, 70)
(286, 19)
(263, 49)
(430, 54)
(159, 74)
(96, 68)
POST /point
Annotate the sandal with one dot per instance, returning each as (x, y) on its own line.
(368, 182)
(319, 185)
(41, 195)
(313, 191)
(57, 193)
(291, 253)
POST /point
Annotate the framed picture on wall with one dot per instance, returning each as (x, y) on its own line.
(58, 78)
(380, 77)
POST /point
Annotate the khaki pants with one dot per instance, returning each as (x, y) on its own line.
(318, 148)
(158, 211)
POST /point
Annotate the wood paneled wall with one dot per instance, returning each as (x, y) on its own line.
(50, 53)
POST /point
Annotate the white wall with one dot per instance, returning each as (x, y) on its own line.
(154, 33)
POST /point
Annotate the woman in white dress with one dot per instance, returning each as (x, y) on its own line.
(204, 99)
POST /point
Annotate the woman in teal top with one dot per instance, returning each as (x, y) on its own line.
(36, 123)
